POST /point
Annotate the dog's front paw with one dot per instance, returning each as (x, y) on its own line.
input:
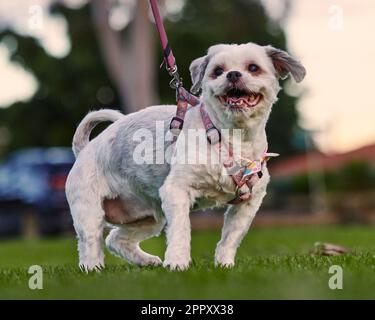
(176, 264)
(223, 259)
(224, 264)
(89, 267)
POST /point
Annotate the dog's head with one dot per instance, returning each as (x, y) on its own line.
(241, 82)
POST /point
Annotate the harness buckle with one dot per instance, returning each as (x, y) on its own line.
(240, 197)
(176, 125)
(213, 135)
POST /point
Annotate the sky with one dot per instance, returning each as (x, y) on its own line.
(335, 42)
(332, 38)
(23, 16)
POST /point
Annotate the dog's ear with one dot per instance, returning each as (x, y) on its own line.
(197, 70)
(198, 66)
(285, 64)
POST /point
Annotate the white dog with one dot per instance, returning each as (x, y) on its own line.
(239, 86)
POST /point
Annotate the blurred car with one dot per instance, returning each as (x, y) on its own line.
(33, 181)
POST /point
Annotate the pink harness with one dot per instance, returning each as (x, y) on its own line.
(244, 175)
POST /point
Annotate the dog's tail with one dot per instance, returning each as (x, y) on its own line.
(82, 135)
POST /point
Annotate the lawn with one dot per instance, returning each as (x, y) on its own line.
(271, 264)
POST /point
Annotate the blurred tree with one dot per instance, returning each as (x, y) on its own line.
(108, 68)
(128, 54)
(68, 87)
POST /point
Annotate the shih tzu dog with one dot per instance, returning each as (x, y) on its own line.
(108, 185)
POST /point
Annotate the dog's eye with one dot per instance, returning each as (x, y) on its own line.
(253, 67)
(218, 71)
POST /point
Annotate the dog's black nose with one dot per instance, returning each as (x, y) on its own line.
(234, 76)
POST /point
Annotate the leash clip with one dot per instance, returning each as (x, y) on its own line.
(176, 82)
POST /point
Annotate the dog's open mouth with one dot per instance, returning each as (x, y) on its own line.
(238, 98)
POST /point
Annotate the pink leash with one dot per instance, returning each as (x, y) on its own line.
(183, 97)
(168, 54)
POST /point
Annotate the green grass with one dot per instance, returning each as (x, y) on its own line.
(271, 264)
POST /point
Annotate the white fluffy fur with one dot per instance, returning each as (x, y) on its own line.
(105, 168)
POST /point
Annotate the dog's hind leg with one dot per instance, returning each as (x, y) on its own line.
(124, 241)
(90, 245)
(88, 224)
(88, 220)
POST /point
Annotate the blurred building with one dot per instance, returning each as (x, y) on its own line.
(335, 188)
(315, 161)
